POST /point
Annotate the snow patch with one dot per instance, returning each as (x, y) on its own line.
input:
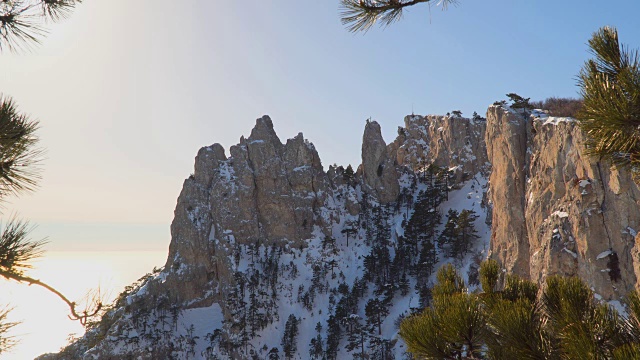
(560, 214)
(604, 254)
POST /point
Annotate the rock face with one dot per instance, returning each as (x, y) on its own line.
(274, 202)
(271, 193)
(267, 197)
(264, 192)
(557, 210)
(452, 142)
(506, 139)
(378, 168)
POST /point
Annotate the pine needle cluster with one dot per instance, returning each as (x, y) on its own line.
(564, 321)
(19, 153)
(22, 22)
(361, 15)
(610, 86)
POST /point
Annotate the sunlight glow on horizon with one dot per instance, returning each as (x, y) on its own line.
(45, 326)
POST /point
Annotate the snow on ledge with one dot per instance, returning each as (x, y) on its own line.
(560, 214)
(539, 115)
(604, 254)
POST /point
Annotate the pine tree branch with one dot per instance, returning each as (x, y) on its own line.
(361, 15)
(610, 86)
(81, 316)
(22, 21)
(19, 155)
(17, 250)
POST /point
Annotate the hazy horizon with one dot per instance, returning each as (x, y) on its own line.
(127, 92)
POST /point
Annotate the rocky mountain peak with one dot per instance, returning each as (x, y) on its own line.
(265, 235)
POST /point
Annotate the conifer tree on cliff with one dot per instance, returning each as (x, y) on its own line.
(21, 26)
(610, 88)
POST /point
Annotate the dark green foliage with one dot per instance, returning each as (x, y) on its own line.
(348, 175)
(583, 327)
(426, 261)
(423, 336)
(357, 336)
(467, 232)
(453, 326)
(489, 275)
(611, 91)
(450, 231)
(477, 117)
(376, 311)
(378, 265)
(274, 354)
(315, 346)
(459, 233)
(566, 322)
(16, 249)
(381, 349)
(516, 288)
(329, 244)
(334, 335)
(518, 332)
(403, 285)
(19, 158)
(350, 229)
(627, 352)
(424, 220)
(632, 323)
(420, 230)
(289, 337)
(448, 282)
(518, 102)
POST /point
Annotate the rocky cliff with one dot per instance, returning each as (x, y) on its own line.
(557, 210)
(453, 142)
(266, 234)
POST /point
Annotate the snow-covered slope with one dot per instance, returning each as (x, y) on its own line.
(273, 258)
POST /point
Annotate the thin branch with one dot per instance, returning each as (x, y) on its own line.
(17, 250)
(83, 316)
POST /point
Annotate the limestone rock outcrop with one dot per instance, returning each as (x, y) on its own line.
(557, 210)
(378, 168)
(446, 141)
(265, 192)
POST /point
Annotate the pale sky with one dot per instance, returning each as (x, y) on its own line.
(128, 91)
